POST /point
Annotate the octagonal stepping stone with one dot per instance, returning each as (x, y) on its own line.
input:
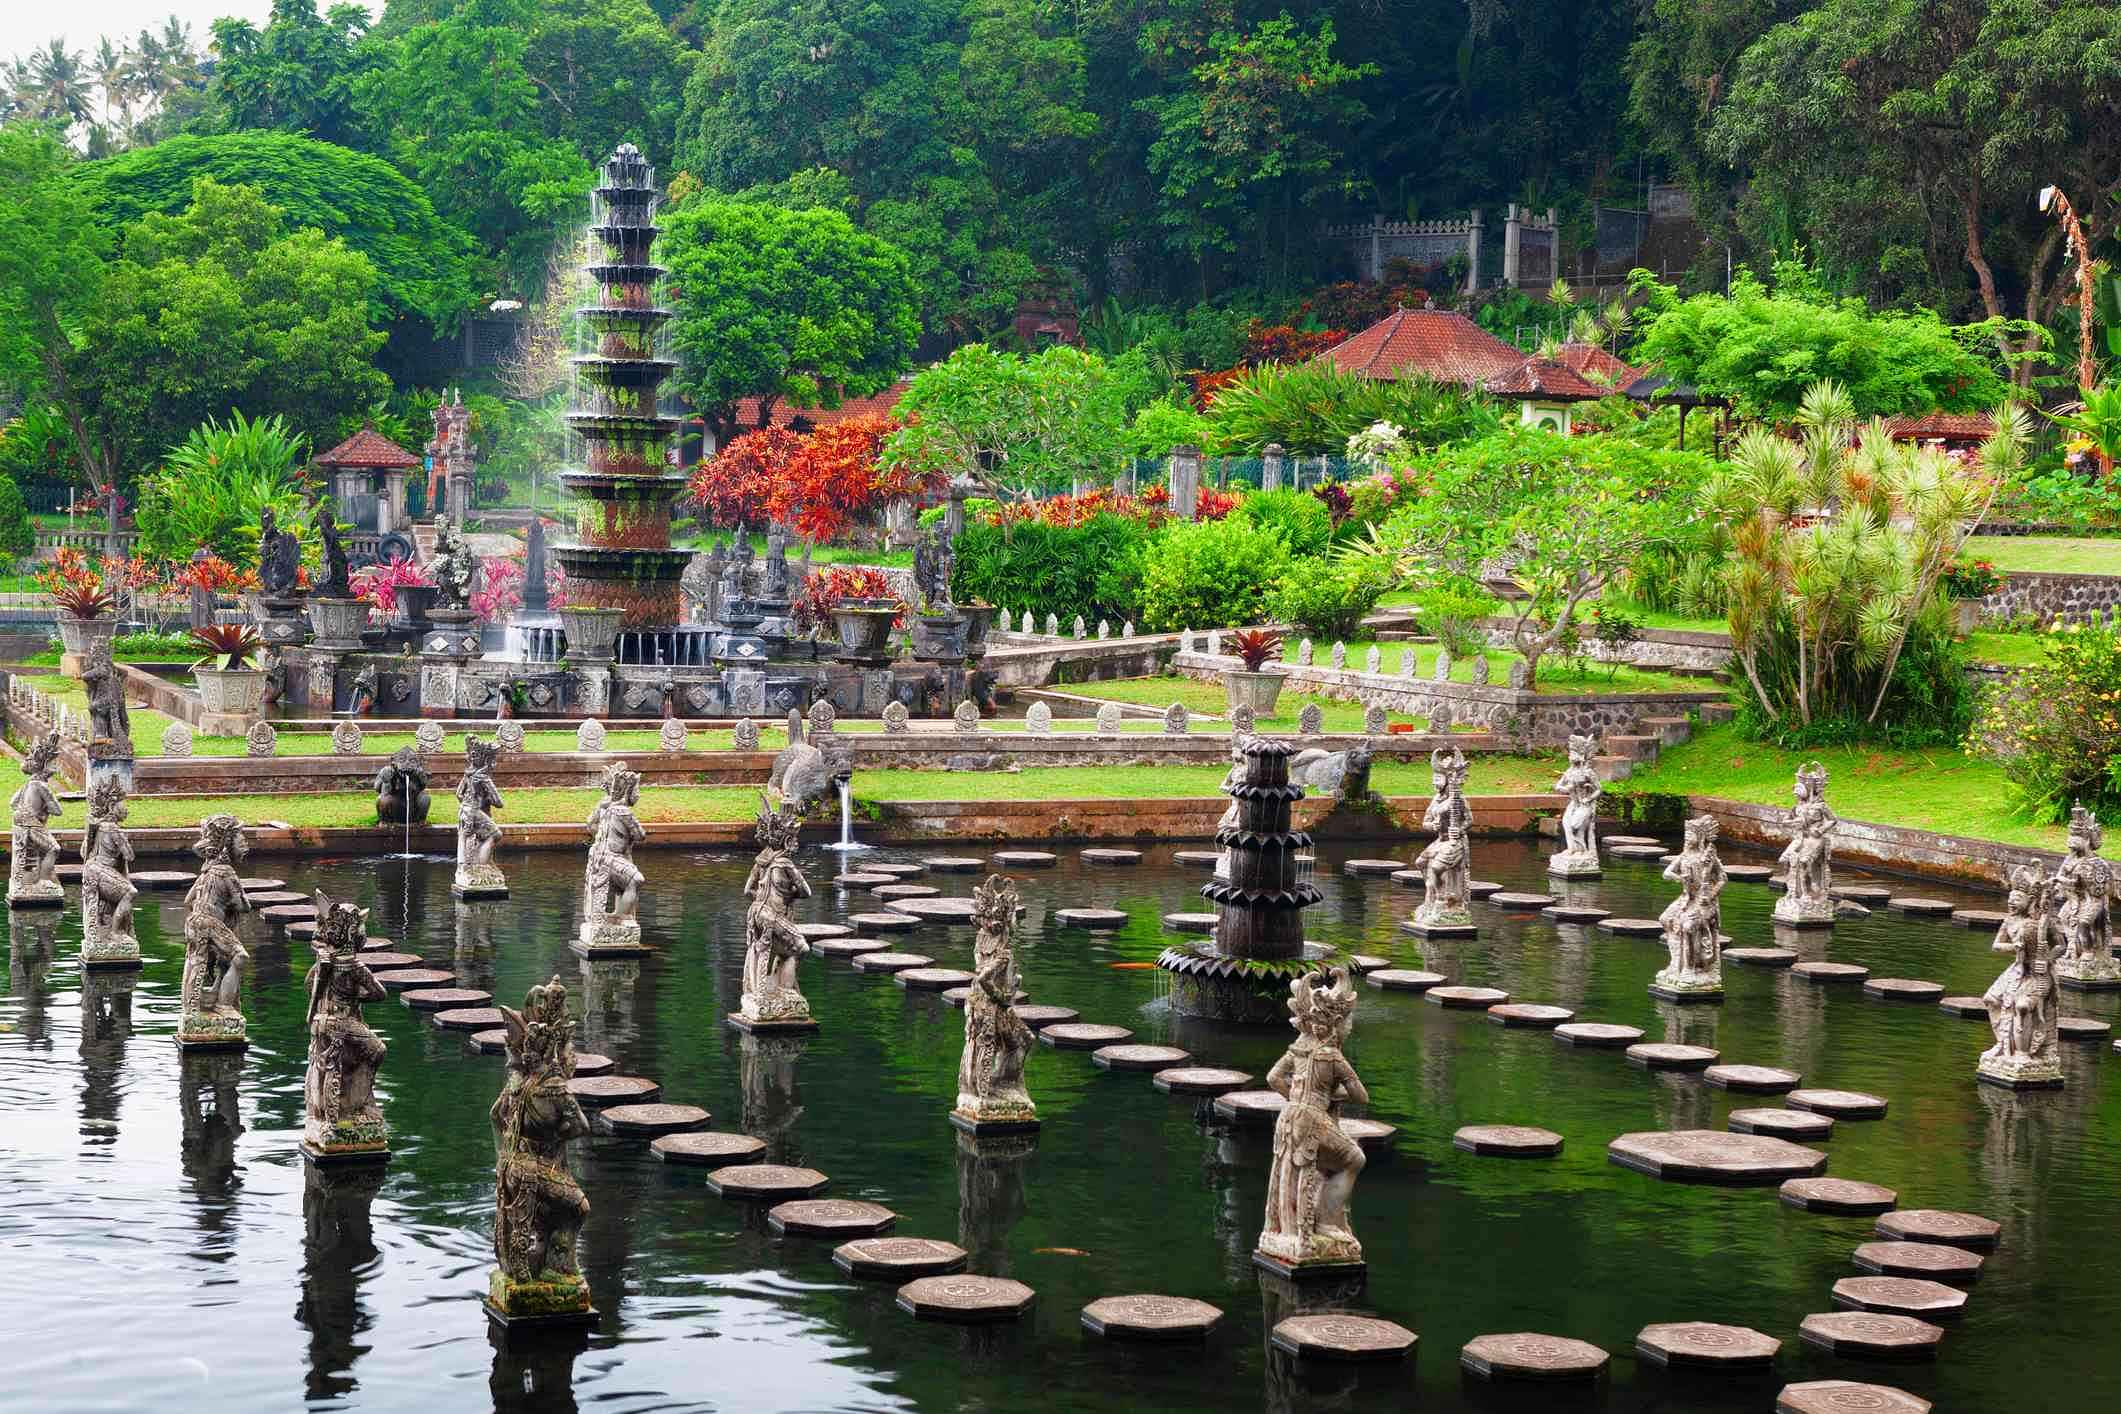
(1197, 858)
(1110, 855)
(896, 891)
(468, 1018)
(1610, 840)
(1603, 1035)
(489, 1043)
(1937, 1225)
(1082, 1035)
(818, 932)
(597, 1091)
(1706, 1346)
(932, 979)
(1982, 918)
(588, 1063)
(1903, 989)
(898, 1258)
(883, 922)
(400, 979)
(1404, 979)
(1915, 907)
(1753, 1079)
(1862, 893)
(1150, 1318)
(1024, 858)
(1482, 888)
(1369, 1134)
(265, 898)
(1529, 1014)
(1842, 1197)
(1410, 879)
(1575, 912)
(2082, 1028)
(260, 885)
(1249, 1107)
(1871, 1335)
(1097, 920)
(1638, 851)
(1040, 1015)
(651, 1121)
(1462, 998)
(1340, 1336)
(1632, 927)
(305, 929)
(1362, 964)
(162, 880)
(1713, 1156)
(1841, 1104)
(708, 1147)
(762, 1183)
(1373, 868)
(289, 913)
(1761, 957)
(1826, 972)
(374, 944)
(1748, 873)
(1524, 1355)
(1847, 1397)
(901, 869)
(445, 998)
(1932, 1261)
(890, 961)
(830, 1217)
(1782, 1124)
(937, 910)
(1513, 1141)
(863, 879)
(850, 947)
(1901, 1296)
(1510, 898)
(1139, 1057)
(1972, 1008)
(1668, 1055)
(953, 863)
(1191, 922)
(1200, 1080)
(389, 961)
(965, 1300)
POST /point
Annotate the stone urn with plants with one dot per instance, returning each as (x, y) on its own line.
(86, 616)
(1255, 685)
(979, 617)
(227, 680)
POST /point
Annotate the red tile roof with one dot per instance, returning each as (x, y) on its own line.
(1433, 343)
(368, 449)
(1597, 365)
(1546, 378)
(747, 410)
(1945, 426)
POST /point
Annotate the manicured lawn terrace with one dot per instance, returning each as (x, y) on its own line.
(2049, 554)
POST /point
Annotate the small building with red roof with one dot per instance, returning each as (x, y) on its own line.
(1954, 431)
(368, 473)
(1438, 344)
(1547, 387)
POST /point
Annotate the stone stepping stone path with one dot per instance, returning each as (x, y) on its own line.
(849, 947)
(468, 1018)
(401, 978)
(1782, 1124)
(1508, 898)
(1249, 1107)
(1197, 858)
(1524, 1355)
(1748, 873)
(1602, 1035)
(1761, 957)
(953, 864)
(489, 1043)
(1190, 922)
(1861, 893)
(445, 998)
(1972, 1008)
(901, 869)
(265, 898)
(1901, 1296)
(932, 979)
(1158, 1318)
(1841, 1197)
(372, 944)
(1097, 920)
(589, 1063)
(1369, 1134)
(389, 961)
(1903, 989)
(1512, 1141)
(1402, 979)
(1632, 927)
(1713, 1156)
(1706, 1346)
(162, 880)
(1373, 868)
(965, 1300)
(1932, 1261)
(1753, 1079)
(306, 929)
(598, 1091)
(1827, 972)
(830, 1217)
(883, 922)
(1200, 1080)
(1462, 998)
(1482, 888)
(1610, 840)
(896, 891)
(651, 1121)
(818, 932)
(891, 961)
(260, 885)
(1668, 1055)
(2082, 1028)
(1105, 855)
(1024, 859)
(1847, 1397)
(863, 879)
(1039, 1015)
(764, 1183)
(1945, 1228)
(708, 1147)
(1138, 1057)
(1977, 917)
(1919, 907)
(1841, 1104)
(899, 1258)
(1638, 851)
(1529, 1014)
(1339, 1336)
(1576, 912)
(1082, 1035)
(1870, 1335)
(1362, 964)
(937, 910)
(1411, 879)
(289, 913)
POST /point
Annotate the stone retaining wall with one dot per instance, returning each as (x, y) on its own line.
(2073, 598)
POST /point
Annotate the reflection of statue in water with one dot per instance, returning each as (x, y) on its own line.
(338, 1256)
(2083, 907)
(401, 789)
(107, 891)
(991, 1097)
(1578, 858)
(214, 957)
(1447, 862)
(767, 1081)
(1315, 1163)
(342, 1118)
(772, 943)
(613, 880)
(1809, 900)
(539, 1208)
(33, 867)
(1693, 922)
(210, 1113)
(477, 834)
(2021, 1003)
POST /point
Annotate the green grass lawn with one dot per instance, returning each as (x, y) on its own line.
(2011, 650)
(1208, 698)
(2049, 554)
(1555, 675)
(539, 806)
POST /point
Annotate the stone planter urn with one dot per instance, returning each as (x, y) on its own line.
(592, 634)
(1259, 691)
(413, 601)
(236, 690)
(78, 636)
(338, 623)
(864, 627)
(978, 619)
(938, 637)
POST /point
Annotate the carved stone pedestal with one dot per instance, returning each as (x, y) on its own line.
(338, 623)
(982, 1127)
(2089, 974)
(1449, 925)
(537, 1305)
(1673, 989)
(1313, 1271)
(1574, 864)
(1793, 912)
(480, 881)
(209, 1031)
(765, 1026)
(601, 939)
(2020, 1073)
(283, 622)
(350, 1144)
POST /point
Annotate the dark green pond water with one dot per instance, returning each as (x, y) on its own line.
(164, 1250)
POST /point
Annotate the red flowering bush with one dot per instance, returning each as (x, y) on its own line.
(1151, 507)
(214, 575)
(1284, 343)
(736, 488)
(834, 583)
(833, 479)
(379, 584)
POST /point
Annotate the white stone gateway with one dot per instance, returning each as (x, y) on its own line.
(508, 736)
(1039, 720)
(746, 736)
(1303, 654)
(260, 740)
(589, 736)
(1176, 721)
(1312, 720)
(671, 735)
(894, 718)
(966, 717)
(1108, 719)
(176, 740)
(346, 739)
(427, 739)
(1375, 719)
(1374, 660)
(1340, 656)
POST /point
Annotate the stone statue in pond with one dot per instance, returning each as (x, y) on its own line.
(279, 557)
(1693, 922)
(2083, 909)
(342, 1120)
(2022, 1010)
(1578, 858)
(454, 569)
(33, 864)
(401, 789)
(110, 726)
(539, 1208)
(991, 1098)
(1447, 862)
(772, 944)
(214, 956)
(107, 938)
(612, 880)
(477, 834)
(1315, 1162)
(1809, 901)
(805, 773)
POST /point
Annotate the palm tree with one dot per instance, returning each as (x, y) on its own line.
(113, 70)
(177, 47)
(61, 86)
(18, 90)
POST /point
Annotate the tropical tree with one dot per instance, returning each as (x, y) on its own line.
(1020, 425)
(212, 486)
(295, 74)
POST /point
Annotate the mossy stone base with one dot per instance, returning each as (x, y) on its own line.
(563, 1301)
(362, 1142)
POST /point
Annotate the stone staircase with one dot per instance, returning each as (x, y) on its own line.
(1624, 753)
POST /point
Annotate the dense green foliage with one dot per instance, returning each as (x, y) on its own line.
(1298, 517)
(2056, 728)
(1207, 573)
(1093, 569)
(1328, 598)
(1316, 407)
(212, 487)
(17, 535)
